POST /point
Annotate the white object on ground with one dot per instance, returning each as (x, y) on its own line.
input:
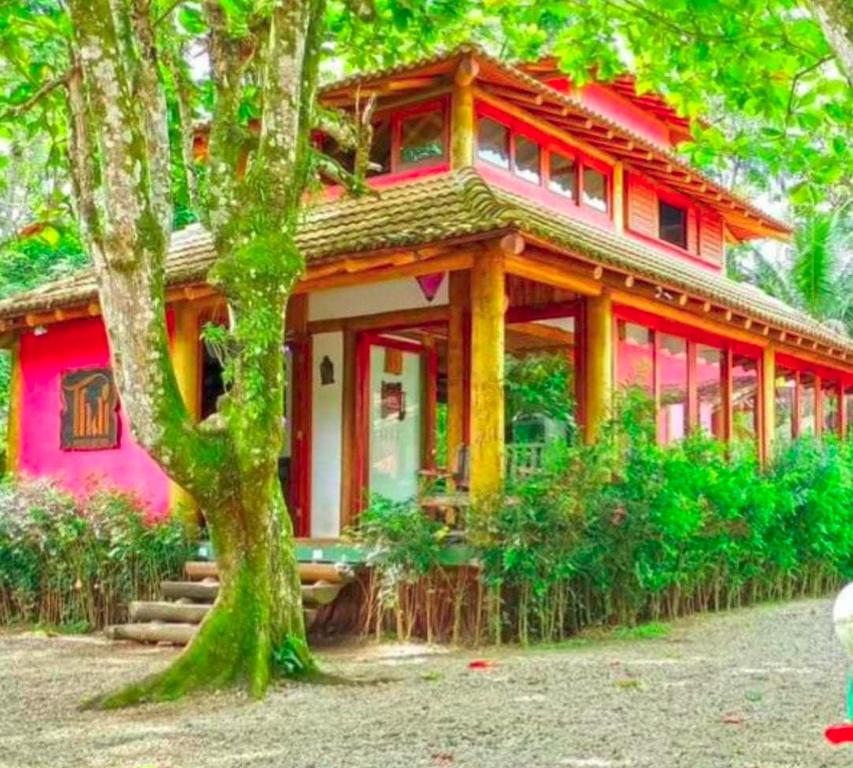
(842, 617)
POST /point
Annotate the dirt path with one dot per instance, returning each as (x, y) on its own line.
(752, 689)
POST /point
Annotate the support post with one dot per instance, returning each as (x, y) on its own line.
(460, 293)
(462, 114)
(619, 198)
(186, 363)
(488, 306)
(598, 368)
(767, 411)
(13, 425)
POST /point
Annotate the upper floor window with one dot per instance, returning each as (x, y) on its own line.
(559, 170)
(672, 224)
(595, 189)
(413, 138)
(528, 160)
(421, 139)
(493, 143)
(562, 175)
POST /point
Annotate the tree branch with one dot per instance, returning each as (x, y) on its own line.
(45, 90)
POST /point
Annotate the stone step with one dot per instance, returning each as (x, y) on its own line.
(333, 573)
(318, 593)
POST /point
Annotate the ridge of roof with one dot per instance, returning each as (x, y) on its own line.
(452, 205)
(508, 68)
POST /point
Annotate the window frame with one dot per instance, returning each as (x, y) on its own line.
(684, 233)
(822, 375)
(548, 145)
(693, 336)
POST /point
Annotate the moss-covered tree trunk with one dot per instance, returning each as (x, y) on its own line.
(120, 158)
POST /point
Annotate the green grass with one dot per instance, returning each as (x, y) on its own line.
(653, 630)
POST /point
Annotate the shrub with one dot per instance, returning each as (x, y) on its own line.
(75, 561)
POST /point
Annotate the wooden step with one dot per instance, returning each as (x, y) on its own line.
(319, 593)
(182, 613)
(333, 573)
(176, 633)
(153, 632)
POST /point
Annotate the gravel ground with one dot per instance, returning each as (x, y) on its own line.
(752, 689)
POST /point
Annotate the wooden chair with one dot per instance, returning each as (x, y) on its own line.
(439, 499)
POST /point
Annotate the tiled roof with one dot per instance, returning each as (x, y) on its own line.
(450, 206)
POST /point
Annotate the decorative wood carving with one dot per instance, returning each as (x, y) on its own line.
(89, 418)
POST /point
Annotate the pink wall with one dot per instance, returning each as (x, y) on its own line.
(65, 347)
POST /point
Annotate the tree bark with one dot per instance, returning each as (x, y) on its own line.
(120, 160)
(836, 20)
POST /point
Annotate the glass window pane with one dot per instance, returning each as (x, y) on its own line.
(786, 388)
(595, 189)
(709, 390)
(848, 410)
(422, 138)
(831, 415)
(562, 178)
(672, 363)
(493, 143)
(635, 356)
(673, 224)
(380, 148)
(527, 154)
(744, 397)
(807, 403)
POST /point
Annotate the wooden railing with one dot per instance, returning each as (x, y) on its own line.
(523, 459)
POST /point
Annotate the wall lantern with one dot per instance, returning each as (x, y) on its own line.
(430, 284)
(327, 371)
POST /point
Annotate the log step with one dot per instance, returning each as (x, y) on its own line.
(153, 632)
(182, 613)
(319, 593)
(333, 573)
(175, 633)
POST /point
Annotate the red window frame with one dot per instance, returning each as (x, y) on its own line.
(693, 336)
(548, 145)
(822, 375)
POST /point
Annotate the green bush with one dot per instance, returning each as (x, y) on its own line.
(68, 561)
(628, 530)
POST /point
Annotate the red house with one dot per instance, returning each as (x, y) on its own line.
(517, 214)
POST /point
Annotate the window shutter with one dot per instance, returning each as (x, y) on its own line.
(711, 245)
(642, 209)
(692, 231)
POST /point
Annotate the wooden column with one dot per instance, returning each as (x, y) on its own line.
(186, 363)
(598, 367)
(13, 426)
(460, 293)
(767, 411)
(350, 437)
(462, 114)
(488, 305)
(619, 197)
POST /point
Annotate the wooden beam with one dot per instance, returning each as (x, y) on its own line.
(13, 425)
(488, 304)
(551, 271)
(458, 260)
(462, 114)
(349, 431)
(545, 332)
(460, 295)
(186, 361)
(619, 198)
(397, 319)
(767, 411)
(597, 349)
